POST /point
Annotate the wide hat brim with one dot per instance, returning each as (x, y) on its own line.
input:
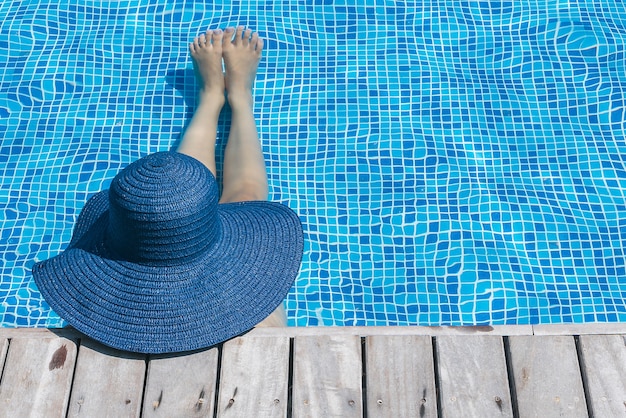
(162, 309)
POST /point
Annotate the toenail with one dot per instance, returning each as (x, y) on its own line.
(218, 31)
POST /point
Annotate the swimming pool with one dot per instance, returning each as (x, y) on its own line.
(453, 162)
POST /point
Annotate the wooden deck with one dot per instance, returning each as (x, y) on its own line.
(520, 371)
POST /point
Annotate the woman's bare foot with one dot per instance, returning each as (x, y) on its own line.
(206, 51)
(241, 58)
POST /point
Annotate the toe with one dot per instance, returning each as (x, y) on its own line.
(228, 36)
(201, 41)
(246, 37)
(217, 37)
(238, 35)
(259, 45)
(254, 39)
(208, 35)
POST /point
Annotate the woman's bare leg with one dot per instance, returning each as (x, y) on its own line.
(245, 177)
(199, 138)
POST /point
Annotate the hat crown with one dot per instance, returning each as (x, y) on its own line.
(163, 210)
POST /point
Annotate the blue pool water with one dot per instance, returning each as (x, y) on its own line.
(453, 162)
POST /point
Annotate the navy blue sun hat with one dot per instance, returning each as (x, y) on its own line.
(156, 265)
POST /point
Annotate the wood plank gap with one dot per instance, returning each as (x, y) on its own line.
(509, 373)
(145, 384)
(290, 381)
(3, 356)
(437, 377)
(364, 376)
(583, 375)
(220, 350)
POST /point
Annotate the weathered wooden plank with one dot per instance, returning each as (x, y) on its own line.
(358, 331)
(69, 333)
(253, 378)
(473, 380)
(400, 376)
(604, 370)
(547, 376)
(181, 385)
(327, 377)
(395, 330)
(107, 382)
(37, 377)
(580, 329)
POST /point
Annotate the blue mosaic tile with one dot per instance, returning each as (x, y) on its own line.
(453, 162)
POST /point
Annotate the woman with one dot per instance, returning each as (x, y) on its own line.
(156, 264)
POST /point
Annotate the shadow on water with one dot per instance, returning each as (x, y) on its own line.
(184, 82)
